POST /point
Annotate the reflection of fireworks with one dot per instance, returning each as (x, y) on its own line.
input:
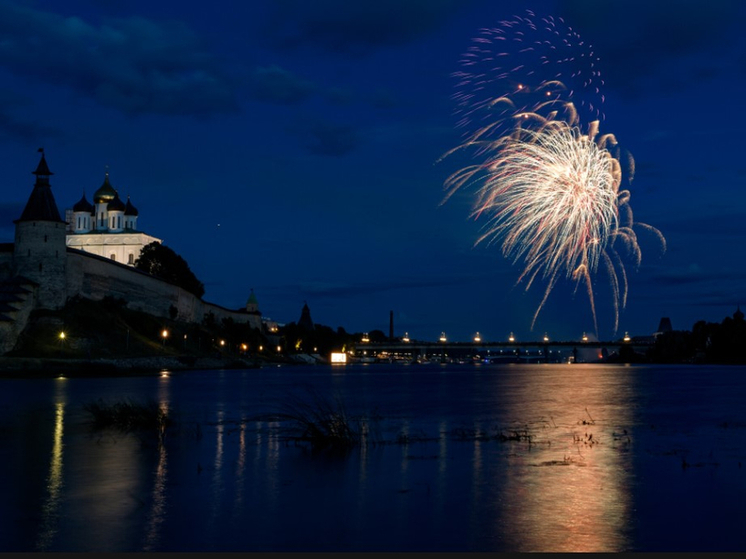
(550, 192)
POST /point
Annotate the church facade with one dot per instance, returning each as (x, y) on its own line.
(108, 227)
(90, 255)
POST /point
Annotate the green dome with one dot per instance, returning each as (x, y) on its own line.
(105, 193)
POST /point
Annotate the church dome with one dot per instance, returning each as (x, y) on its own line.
(116, 205)
(105, 193)
(83, 205)
(130, 209)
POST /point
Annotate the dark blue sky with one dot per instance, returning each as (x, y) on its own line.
(292, 147)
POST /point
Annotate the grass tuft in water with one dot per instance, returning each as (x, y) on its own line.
(324, 423)
(128, 416)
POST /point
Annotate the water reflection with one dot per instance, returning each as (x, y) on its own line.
(570, 491)
(157, 513)
(50, 508)
(571, 488)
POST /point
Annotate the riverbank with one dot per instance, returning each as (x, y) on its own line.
(35, 367)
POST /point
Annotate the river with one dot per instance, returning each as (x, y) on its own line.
(456, 458)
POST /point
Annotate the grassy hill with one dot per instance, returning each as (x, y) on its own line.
(107, 329)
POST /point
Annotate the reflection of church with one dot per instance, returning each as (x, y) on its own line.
(108, 228)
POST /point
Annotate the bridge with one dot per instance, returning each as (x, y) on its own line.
(529, 351)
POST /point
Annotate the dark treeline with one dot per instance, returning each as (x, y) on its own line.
(707, 342)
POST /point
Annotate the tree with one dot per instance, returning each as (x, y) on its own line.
(162, 262)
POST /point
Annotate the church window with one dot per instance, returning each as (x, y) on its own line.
(131, 259)
(114, 257)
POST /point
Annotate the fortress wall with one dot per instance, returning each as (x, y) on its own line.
(10, 331)
(96, 277)
(6, 264)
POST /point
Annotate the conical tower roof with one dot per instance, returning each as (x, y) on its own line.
(83, 205)
(41, 205)
(129, 208)
(305, 321)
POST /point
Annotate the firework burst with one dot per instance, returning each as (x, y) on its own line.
(527, 65)
(550, 192)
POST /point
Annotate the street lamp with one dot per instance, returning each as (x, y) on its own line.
(511, 338)
(546, 338)
(585, 337)
(443, 337)
(164, 335)
(477, 338)
(626, 337)
(405, 339)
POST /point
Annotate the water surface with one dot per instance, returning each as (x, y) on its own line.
(458, 458)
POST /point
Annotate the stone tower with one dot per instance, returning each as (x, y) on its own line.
(39, 253)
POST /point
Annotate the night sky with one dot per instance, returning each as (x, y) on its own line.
(294, 147)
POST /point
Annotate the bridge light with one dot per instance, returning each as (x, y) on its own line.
(442, 337)
(405, 339)
(366, 339)
(511, 338)
(585, 337)
(477, 338)
(546, 338)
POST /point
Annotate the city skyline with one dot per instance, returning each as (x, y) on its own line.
(295, 150)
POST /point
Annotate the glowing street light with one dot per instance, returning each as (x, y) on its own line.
(405, 339)
(477, 338)
(585, 337)
(164, 335)
(546, 338)
(443, 337)
(366, 339)
(511, 338)
(626, 337)
(62, 336)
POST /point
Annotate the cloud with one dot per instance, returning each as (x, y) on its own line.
(342, 26)
(334, 290)
(132, 64)
(14, 128)
(642, 43)
(322, 137)
(272, 84)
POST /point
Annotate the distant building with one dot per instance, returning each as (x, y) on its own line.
(109, 228)
(663, 326)
(90, 256)
(305, 321)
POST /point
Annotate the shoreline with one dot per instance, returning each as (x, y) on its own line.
(48, 367)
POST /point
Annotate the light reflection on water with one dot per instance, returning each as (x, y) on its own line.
(594, 448)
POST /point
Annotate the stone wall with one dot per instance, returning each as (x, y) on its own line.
(95, 277)
(39, 255)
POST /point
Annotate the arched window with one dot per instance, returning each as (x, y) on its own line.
(114, 257)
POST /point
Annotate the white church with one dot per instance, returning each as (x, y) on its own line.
(108, 228)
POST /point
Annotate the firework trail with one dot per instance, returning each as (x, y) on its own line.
(551, 193)
(527, 65)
